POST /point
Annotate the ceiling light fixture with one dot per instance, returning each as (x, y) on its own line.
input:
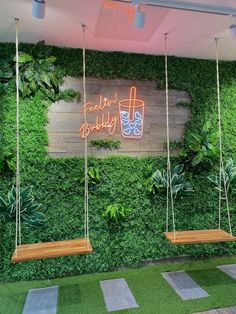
(139, 19)
(232, 28)
(136, 2)
(38, 9)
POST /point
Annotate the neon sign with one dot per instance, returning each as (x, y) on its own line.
(130, 113)
(122, 7)
(103, 104)
(105, 121)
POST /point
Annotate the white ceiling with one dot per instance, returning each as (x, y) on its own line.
(191, 34)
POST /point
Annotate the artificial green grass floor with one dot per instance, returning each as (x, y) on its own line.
(82, 294)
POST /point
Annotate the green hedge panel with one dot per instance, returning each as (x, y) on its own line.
(56, 182)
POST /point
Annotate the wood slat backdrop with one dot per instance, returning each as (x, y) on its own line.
(64, 119)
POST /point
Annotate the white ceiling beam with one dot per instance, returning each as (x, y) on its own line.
(194, 7)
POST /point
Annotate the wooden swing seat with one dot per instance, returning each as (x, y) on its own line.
(199, 236)
(29, 252)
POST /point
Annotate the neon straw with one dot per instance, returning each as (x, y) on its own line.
(132, 99)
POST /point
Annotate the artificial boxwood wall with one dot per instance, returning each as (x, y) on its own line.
(56, 182)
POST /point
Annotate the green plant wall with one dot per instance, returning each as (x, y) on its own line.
(56, 182)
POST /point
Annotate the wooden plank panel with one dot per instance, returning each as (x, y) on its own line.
(28, 252)
(199, 236)
(107, 153)
(57, 148)
(65, 119)
(62, 106)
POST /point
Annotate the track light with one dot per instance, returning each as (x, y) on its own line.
(232, 28)
(136, 2)
(38, 9)
(139, 19)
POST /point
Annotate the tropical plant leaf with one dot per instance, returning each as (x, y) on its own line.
(158, 182)
(225, 180)
(37, 72)
(116, 212)
(51, 59)
(30, 213)
(93, 176)
(24, 57)
(203, 147)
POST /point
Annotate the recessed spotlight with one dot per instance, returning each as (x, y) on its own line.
(38, 9)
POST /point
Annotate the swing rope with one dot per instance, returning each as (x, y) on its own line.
(169, 191)
(86, 195)
(56, 248)
(18, 209)
(221, 168)
(18, 181)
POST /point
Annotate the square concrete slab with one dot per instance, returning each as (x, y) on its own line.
(228, 269)
(226, 310)
(41, 301)
(184, 285)
(117, 295)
